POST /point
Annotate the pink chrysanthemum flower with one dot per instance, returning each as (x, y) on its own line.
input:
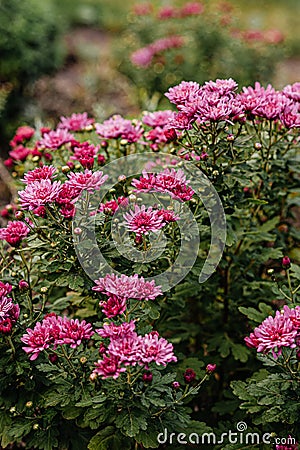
(85, 153)
(109, 367)
(9, 314)
(293, 314)
(56, 139)
(14, 232)
(290, 116)
(292, 91)
(184, 92)
(155, 349)
(142, 220)
(113, 306)
(23, 133)
(127, 287)
(158, 118)
(39, 193)
(113, 205)
(117, 127)
(40, 173)
(88, 180)
(222, 87)
(77, 122)
(273, 334)
(110, 330)
(37, 340)
(73, 332)
(5, 288)
(191, 9)
(169, 181)
(20, 153)
(127, 349)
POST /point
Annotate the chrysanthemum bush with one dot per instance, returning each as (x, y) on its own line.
(110, 361)
(163, 44)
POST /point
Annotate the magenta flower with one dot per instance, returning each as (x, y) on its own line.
(5, 288)
(127, 349)
(20, 153)
(56, 139)
(37, 340)
(108, 367)
(142, 220)
(293, 315)
(85, 153)
(23, 133)
(39, 193)
(88, 180)
(14, 232)
(9, 314)
(292, 91)
(73, 332)
(113, 306)
(127, 287)
(273, 334)
(40, 173)
(77, 122)
(117, 127)
(169, 181)
(112, 205)
(155, 349)
(191, 9)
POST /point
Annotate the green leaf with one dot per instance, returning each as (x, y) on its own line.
(104, 440)
(131, 422)
(71, 412)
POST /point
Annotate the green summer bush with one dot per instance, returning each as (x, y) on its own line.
(223, 172)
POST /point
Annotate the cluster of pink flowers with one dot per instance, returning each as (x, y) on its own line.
(19, 152)
(168, 12)
(218, 101)
(77, 122)
(117, 127)
(55, 139)
(127, 348)
(169, 181)
(144, 220)
(112, 206)
(41, 190)
(143, 56)
(159, 122)
(273, 333)
(9, 311)
(14, 232)
(85, 153)
(54, 331)
(120, 289)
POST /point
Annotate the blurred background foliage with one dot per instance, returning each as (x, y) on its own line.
(57, 55)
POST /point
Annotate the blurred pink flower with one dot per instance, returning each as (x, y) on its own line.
(77, 122)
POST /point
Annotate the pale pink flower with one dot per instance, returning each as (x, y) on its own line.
(155, 349)
(127, 287)
(191, 9)
(183, 120)
(166, 43)
(293, 314)
(14, 232)
(77, 122)
(108, 367)
(292, 91)
(142, 57)
(56, 139)
(127, 349)
(142, 220)
(40, 173)
(117, 127)
(39, 193)
(184, 92)
(87, 180)
(9, 310)
(222, 87)
(110, 330)
(290, 116)
(158, 118)
(273, 334)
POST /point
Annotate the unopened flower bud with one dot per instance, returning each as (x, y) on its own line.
(83, 360)
(28, 404)
(36, 426)
(19, 215)
(12, 409)
(123, 142)
(286, 262)
(283, 228)
(104, 144)
(176, 385)
(121, 178)
(53, 358)
(189, 375)
(65, 169)
(93, 377)
(44, 289)
(257, 145)
(230, 137)
(204, 156)
(147, 377)
(132, 198)
(210, 368)
(170, 134)
(102, 349)
(23, 285)
(77, 231)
